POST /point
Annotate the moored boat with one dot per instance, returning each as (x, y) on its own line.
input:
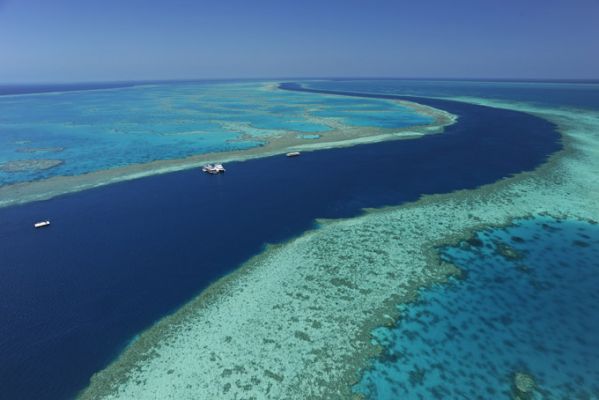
(293, 154)
(213, 169)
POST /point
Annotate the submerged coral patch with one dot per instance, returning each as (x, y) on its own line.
(29, 165)
(308, 136)
(40, 149)
(524, 386)
(470, 334)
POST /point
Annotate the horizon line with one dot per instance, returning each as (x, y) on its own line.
(196, 79)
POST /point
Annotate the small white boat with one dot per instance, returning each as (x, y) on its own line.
(41, 224)
(293, 154)
(213, 169)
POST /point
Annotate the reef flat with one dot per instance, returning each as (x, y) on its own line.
(121, 134)
(296, 321)
(28, 165)
(520, 323)
(40, 149)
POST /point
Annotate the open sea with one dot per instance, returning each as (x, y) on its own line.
(119, 257)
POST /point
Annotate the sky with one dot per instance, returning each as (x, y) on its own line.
(117, 40)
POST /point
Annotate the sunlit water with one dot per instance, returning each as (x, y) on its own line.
(527, 304)
(75, 132)
(119, 257)
(114, 292)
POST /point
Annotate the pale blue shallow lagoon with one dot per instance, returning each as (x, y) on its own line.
(69, 133)
(527, 304)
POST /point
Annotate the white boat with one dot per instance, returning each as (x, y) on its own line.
(293, 154)
(41, 224)
(213, 169)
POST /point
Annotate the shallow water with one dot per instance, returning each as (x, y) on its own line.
(527, 303)
(92, 130)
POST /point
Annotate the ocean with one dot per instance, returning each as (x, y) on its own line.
(118, 258)
(73, 132)
(524, 310)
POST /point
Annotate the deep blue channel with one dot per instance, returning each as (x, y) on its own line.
(119, 257)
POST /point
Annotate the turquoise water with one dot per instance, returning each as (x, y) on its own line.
(527, 303)
(75, 132)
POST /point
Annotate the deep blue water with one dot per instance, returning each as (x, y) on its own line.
(117, 258)
(553, 94)
(531, 309)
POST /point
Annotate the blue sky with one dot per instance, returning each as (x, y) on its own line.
(80, 40)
